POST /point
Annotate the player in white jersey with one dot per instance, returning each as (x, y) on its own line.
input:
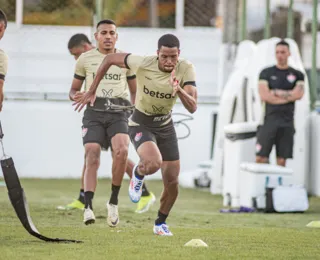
(161, 79)
(78, 44)
(3, 56)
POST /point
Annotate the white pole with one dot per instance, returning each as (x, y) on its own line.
(179, 14)
(153, 14)
(19, 13)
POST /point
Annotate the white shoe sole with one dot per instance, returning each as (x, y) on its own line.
(113, 224)
(90, 219)
(110, 222)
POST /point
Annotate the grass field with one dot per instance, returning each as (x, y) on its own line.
(195, 215)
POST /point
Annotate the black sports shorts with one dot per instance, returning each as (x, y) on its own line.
(274, 134)
(100, 126)
(149, 130)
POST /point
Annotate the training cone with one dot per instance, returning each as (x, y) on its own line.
(314, 224)
(196, 243)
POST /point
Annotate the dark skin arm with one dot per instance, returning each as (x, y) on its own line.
(132, 84)
(74, 93)
(117, 59)
(188, 94)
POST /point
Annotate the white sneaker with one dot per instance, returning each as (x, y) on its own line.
(135, 187)
(113, 215)
(88, 216)
(162, 230)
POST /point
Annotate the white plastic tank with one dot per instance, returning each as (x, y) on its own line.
(240, 140)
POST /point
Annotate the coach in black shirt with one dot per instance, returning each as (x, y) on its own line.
(279, 87)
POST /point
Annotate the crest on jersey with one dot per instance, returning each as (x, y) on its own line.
(84, 131)
(138, 136)
(291, 78)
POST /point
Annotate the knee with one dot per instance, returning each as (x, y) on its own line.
(121, 152)
(92, 158)
(151, 166)
(173, 184)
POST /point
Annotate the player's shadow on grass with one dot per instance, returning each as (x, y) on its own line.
(101, 217)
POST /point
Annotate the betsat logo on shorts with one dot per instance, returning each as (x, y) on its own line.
(138, 136)
(157, 94)
(84, 131)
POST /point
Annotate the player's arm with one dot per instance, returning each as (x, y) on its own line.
(78, 78)
(132, 84)
(117, 59)
(296, 93)
(186, 90)
(1, 92)
(188, 96)
(74, 93)
(3, 72)
(267, 95)
(122, 60)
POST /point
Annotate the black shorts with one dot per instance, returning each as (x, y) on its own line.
(274, 134)
(100, 127)
(164, 136)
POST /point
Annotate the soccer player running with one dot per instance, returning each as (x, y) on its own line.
(99, 123)
(279, 87)
(78, 44)
(161, 79)
(3, 62)
(3, 56)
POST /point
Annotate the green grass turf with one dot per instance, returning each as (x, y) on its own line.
(195, 215)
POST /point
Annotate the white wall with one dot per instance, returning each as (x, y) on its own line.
(44, 139)
(39, 59)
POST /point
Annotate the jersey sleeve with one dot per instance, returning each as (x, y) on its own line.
(3, 65)
(130, 75)
(80, 72)
(133, 62)
(300, 77)
(263, 77)
(189, 77)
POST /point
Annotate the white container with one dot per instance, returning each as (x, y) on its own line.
(255, 177)
(239, 146)
(314, 181)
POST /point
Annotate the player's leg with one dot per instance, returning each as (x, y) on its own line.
(150, 159)
(93, 139)
(284, 144)
(266, 136)
(170, 168)
(117, 130)
(147, 197)
(78, 203)
(170, 173)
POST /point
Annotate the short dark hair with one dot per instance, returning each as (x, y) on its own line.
(77, 40)
(3, 18)
(283, 43)
(106, 21)
(168, 40)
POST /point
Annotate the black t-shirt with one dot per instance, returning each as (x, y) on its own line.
(284, 79)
